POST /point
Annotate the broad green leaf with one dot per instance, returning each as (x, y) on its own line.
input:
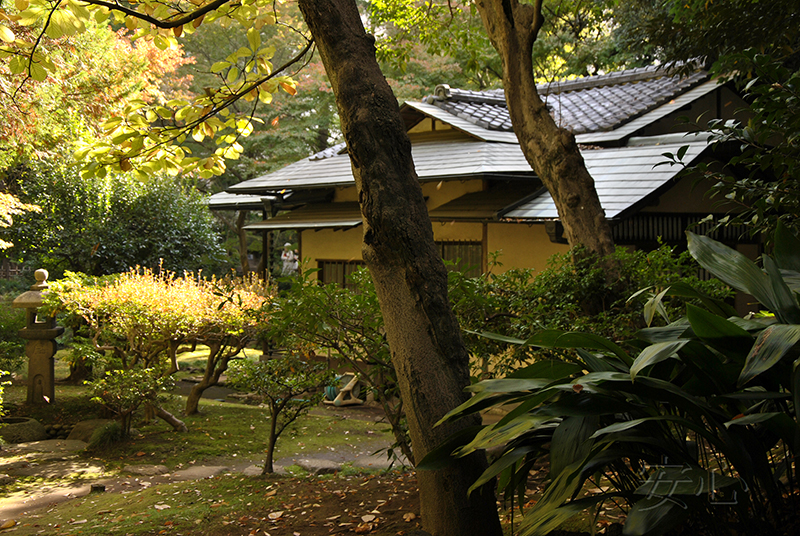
(254, 38)
(730, 266)
(442, 456)
(220, 66)
(38, 72)
(543, 521)
(493, 436)
(161, 42)
(570, 442)
(597, 363)
(772, 344)
(18, 65)
(505, 461)
(6, 34)
(654, 305)
(682, 289)
(197, 134)
(509, 385)
(264, 96)
(718, 332)
(751, 419)
(546, 369)
(495, 336)
(529, 404)
(592, 400)
(677, 330)
(574, 339)
(655, 354)
(475, 403)
(654, 516)
(786, 308)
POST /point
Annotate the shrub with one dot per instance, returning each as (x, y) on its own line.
(290, 387)
(143, 320)
(514, 304)
(702, 420)
(108, 225)
(123, 391)
(12, 346)
(349, 323)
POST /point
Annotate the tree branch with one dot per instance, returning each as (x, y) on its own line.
(158, 23)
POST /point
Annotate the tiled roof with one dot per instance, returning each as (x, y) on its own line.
(433, 161)
(624, 177)
(591, 104)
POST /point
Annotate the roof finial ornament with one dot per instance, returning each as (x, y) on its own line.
(442, 92)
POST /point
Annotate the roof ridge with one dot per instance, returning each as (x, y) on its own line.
(637, 74)
(497, 96)
(445, 92)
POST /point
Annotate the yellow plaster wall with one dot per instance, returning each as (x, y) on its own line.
(445, 231)
(327, 244)
(521, 245)
(345, 193)
(429, 124)
(439, 193)
(688, 195)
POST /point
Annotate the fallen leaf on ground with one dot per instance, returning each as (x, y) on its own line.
(363, 528)
(275, 515)
(409, 516)
(368, 518)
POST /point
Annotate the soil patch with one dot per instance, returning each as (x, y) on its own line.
(375, 504)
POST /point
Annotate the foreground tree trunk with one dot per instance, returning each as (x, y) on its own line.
(410, 278)
(550, 150)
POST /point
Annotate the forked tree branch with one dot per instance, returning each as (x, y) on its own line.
(159, 23)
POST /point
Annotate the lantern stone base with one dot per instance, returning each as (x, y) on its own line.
(41, 371)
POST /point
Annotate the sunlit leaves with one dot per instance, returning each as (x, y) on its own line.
(146, 137)
(6, 34)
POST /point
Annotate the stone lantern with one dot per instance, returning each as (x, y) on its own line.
(41, 347)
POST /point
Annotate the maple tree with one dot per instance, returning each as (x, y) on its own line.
(44, 116)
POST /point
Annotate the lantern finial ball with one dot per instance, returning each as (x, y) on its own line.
(41, 275)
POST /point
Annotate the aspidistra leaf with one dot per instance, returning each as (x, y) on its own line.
(772, 344)
(655, 353)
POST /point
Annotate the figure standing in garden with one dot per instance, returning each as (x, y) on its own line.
(289, 258)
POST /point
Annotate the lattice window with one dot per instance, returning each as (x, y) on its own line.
(467, 255)
(338, 271)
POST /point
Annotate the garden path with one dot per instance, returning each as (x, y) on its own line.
(61, 461)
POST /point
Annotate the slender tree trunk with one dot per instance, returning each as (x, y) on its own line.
(273, 438)
(550, 150)
(177, 424)
(409, 275)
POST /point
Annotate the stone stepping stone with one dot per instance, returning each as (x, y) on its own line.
(146, 470)
(318, 466)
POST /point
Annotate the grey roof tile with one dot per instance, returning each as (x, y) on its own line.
(592, 104)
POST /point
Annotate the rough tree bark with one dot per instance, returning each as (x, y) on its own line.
(550, 150)
(220, 353)
(410, 278)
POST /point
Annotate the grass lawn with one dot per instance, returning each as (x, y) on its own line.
(223, 433)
